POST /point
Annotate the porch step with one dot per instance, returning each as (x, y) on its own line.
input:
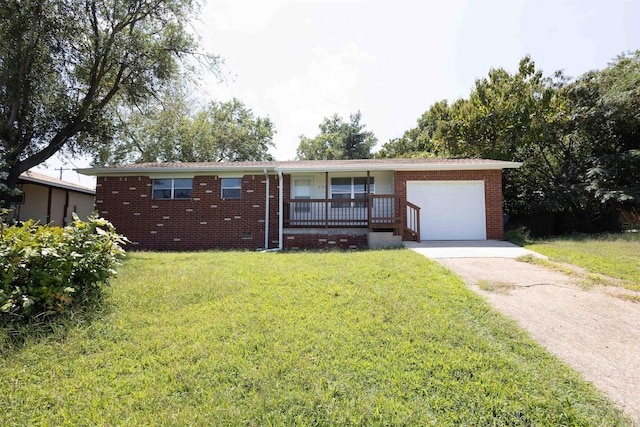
(384, 239)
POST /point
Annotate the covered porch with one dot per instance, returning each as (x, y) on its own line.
(374, 212)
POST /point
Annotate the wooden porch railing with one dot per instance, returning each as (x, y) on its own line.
(412, 222)
(376, 212)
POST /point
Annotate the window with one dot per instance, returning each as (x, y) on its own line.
(350, 188)
(172, 188)
(231, 188)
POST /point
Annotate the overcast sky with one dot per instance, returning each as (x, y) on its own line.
(298, 61)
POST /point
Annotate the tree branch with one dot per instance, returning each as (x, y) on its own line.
(53, 147)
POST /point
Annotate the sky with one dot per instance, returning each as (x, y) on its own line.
(298, 61)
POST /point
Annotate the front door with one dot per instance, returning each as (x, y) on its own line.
(302, 189)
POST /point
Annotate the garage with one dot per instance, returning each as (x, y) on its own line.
(450, 210)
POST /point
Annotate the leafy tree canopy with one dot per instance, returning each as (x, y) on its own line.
(605, 108)
(579, 139)
(338, 140)
(173, 130)
(65, 64)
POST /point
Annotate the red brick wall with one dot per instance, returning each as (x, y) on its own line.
(286, 190)
(492, 191)
(322, 240)
(204, 222)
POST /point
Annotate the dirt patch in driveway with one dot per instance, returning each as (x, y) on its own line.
(591, 330)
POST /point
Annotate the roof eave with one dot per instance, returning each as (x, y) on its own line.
(56, 185)
(161, 170)
(405, 167)
(115, 171)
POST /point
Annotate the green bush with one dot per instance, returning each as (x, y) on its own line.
(47, 270)
(518, 236)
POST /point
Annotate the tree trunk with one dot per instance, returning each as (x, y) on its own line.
(11, 183)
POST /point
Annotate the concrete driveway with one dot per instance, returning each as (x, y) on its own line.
(591, 329)
(469, 249)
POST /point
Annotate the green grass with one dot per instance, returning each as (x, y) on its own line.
(496, 287)
(627, 297)
(614, 255)
(239, 338)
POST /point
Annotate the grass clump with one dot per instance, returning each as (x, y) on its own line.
(613, 255)
(235, 338)
(496, 287)
(518, 236)
(582, 278)
(543, 262)
(567, 269)
(628, 297)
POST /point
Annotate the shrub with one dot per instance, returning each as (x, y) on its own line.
(518, 236)
(47, 270)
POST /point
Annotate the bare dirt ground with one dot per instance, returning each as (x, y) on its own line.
(594, 332)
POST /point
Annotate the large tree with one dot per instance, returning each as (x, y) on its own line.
(174, 130)
(338, 140)
(579, 139)
(420, 141)
(64, 65)
(605, 123)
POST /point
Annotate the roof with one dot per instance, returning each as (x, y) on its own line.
(304, 166)
(38, 178)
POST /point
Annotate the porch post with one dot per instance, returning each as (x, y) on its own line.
(326, 200)
(266, 210)
(280, 210)
(369, 200)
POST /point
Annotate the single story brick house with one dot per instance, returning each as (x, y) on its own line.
(302, 204)
(50, 200)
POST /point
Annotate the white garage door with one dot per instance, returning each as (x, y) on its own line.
(449, 210)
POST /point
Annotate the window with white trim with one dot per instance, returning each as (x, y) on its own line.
(178, 188)
(351, 188)
(231, 188)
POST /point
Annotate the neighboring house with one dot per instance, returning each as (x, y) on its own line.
(50, 200)
(302, 204)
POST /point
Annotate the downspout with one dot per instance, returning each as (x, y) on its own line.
(49, 204)
(266, 212)
(65, 213)
(280, 214)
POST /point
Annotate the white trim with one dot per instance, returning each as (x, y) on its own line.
(173, 172)
(353, 192)
(404, 167)
(172, 189)
(364, 166)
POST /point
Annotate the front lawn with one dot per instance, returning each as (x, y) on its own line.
(615, 255)
(235, 338)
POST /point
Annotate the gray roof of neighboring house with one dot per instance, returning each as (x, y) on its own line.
(38, 178)
(305, 166)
